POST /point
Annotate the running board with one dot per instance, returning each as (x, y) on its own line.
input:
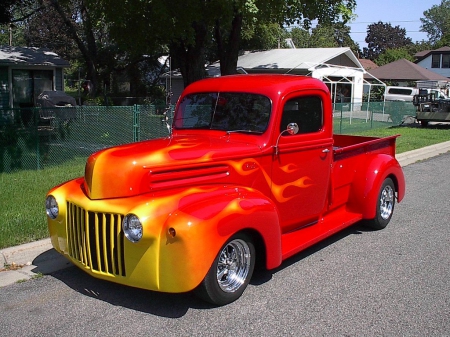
(294, 242)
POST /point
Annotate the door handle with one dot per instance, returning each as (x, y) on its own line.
(326, 150)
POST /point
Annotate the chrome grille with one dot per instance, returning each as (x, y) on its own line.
(96, 239)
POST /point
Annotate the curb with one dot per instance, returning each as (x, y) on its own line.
(423, 153)
(29, 261)
(33, 259)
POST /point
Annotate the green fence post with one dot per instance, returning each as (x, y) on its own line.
(136, 123)
(36, 134)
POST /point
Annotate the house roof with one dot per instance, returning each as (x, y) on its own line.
(368, 64)
(424, 54)
(405, 70)
(289, 59)
(30, 56)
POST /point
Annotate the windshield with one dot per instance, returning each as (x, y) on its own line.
(226, 111)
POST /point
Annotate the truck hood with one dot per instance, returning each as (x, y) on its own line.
(143, 167)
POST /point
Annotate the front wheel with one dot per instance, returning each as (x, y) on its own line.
(385, 205)
(230, 273)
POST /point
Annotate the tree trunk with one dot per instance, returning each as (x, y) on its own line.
(228, 50)
(191, 58)
(88, 54)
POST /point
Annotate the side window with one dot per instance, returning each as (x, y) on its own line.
(436, 61)
(306, 111)
(445, 61)
(400, 91)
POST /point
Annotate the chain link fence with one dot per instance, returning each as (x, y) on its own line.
(353, 118)
(35, 138)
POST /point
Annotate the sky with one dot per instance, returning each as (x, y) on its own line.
(403, 13)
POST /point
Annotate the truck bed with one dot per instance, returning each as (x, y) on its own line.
(347, 146)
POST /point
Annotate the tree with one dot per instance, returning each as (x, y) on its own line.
(188, 27)
(263, 37)
(382, 36)
(12, 34)
(112, 35)
(300, 37)
(324, 36)
(7, 9)
(12, 16)
(48, 29)
(391, 55)
(436, 21)
(281, 12)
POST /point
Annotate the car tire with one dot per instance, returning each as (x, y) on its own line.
(385, 206)
(230, 272)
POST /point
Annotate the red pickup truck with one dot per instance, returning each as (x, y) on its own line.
(250, 175)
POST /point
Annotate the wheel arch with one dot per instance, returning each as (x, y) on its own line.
(205, 223)
(366, 185)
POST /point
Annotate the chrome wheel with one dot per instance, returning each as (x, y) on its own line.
(386, 202)
(233, 265)
(230, 272)
(385, 205)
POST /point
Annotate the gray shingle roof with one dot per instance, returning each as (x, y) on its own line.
(30, 56)
(405, 70)
(424, 54)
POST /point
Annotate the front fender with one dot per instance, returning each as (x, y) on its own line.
(202, 224)
(367, 183)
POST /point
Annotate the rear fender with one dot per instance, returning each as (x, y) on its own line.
(367, 183)
(194, 233)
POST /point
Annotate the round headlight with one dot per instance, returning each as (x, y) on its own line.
(132, 228)
(51, 207)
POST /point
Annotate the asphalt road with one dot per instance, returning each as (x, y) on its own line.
(394, 282)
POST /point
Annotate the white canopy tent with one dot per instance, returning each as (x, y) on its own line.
(335, 66)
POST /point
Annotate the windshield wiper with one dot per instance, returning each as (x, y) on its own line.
(244, 131)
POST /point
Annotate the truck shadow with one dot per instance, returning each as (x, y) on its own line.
(261, 276)
(155, 303)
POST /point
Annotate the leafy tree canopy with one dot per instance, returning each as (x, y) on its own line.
(186, 27)
(110, 35)
(436, 21)
(391, 55)
(382, 36)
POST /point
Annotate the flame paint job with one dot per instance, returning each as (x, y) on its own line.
(208, 185)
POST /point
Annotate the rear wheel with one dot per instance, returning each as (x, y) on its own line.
(385, 205)
(230, 273)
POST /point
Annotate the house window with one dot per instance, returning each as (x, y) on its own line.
(436, 61)
(445, 61)
(29, 84)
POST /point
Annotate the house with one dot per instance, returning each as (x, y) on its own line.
(27, 72)
(437, 61)
(405, 73)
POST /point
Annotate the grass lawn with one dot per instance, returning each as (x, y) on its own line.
(23, 193)
(412, 136)
(22, 202)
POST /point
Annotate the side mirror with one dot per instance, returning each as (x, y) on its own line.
(292, 129)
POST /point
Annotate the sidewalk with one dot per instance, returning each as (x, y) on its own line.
(29, 260)
(37, 258)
